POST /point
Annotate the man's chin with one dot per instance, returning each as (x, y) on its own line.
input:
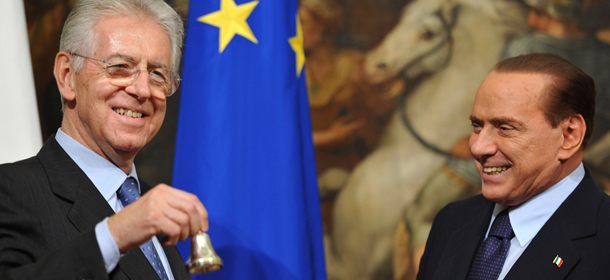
(128, 148)
(496, 194)
(129, 141)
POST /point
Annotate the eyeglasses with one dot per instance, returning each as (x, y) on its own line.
(123, 73)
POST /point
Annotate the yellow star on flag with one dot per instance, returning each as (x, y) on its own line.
(296, 43)
(231, 19)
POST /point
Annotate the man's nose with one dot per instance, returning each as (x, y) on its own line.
(482, 144)
(141, 85)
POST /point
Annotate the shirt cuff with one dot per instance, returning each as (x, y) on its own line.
(108, 247)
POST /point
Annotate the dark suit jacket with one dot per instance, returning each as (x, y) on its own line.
(579, 232)
(48, 211)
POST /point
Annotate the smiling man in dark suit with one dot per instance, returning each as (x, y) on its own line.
(540, 215)
(74, 211)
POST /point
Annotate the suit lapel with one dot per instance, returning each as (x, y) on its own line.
(463, 244)
(89, 207)
(69, 182)
(536, 262)
(576, 218)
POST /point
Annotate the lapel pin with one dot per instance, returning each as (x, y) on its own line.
(558, 261)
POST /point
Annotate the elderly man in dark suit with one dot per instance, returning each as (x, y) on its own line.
(540, 215)
(74, 211)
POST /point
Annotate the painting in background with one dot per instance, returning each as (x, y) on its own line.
(391, 85)
(390, 108)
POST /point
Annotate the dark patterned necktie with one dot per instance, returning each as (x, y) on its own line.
(490, 257)
(129, 193)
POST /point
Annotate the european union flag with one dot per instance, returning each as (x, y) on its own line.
(244, 143)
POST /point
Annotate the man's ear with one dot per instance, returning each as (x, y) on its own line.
(573, 129)
(64, 75)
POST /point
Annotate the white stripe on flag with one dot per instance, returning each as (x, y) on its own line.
(20, 134)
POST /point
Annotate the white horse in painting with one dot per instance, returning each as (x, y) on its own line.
(457, 42)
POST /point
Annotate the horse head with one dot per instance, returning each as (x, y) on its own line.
(420, 43)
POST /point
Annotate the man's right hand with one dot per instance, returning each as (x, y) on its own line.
(163, 209)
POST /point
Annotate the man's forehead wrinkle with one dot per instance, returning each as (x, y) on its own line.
(105, 31)
(528, 86)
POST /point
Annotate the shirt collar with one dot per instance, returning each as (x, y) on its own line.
(528, 218)
(106, 176)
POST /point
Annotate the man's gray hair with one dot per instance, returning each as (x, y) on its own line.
(79, 34)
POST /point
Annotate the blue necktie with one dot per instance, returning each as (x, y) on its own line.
(490, 258)
(129, 193)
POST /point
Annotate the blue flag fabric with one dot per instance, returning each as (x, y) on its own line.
(244, 144)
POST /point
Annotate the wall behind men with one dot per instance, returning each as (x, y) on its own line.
(365, 24)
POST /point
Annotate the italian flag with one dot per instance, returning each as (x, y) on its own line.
(558, 261)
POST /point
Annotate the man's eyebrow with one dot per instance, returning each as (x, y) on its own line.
(501, 120)
(157, 65)
(132, 60)
(506, 120)
(122, 56)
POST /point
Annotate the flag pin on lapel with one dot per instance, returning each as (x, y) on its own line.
(558, 261)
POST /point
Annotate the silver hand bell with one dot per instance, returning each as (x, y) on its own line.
(203, 258)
